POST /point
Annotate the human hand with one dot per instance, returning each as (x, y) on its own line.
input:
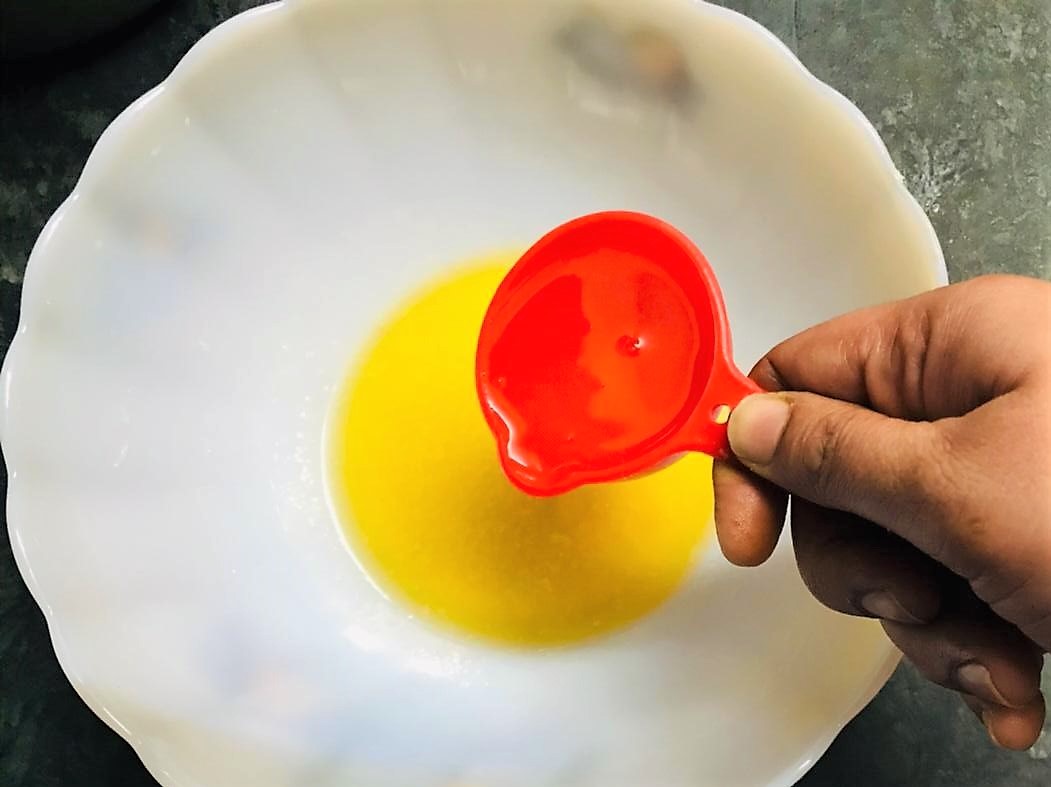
(918, 459)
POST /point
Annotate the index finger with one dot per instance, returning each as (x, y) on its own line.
(873, 357)
(936, 355)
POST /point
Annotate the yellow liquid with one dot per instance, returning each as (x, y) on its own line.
(431, 516)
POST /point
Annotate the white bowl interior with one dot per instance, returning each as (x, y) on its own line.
(235, 239)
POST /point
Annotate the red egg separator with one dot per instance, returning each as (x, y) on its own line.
(604, 353)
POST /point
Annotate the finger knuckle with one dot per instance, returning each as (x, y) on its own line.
(821, 447)
(768, 372)
(822, 574)
(909, 355)
(930, 650)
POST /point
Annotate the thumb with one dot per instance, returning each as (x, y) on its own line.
(840, 456)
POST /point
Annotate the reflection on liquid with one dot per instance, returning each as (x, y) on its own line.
(593, 358)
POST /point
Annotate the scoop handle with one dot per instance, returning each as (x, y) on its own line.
(706, 429)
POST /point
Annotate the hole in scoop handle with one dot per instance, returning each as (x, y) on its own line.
(707, 429)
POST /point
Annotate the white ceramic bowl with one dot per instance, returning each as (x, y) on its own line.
(235, 236)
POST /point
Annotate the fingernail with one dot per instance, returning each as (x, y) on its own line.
(756, 426)
(975, 679)
(884, 605)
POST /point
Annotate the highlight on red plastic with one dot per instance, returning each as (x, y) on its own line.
(606, 352)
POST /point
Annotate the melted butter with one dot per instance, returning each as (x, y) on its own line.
(430, 514)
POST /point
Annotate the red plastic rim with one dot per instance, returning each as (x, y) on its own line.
(604, 352)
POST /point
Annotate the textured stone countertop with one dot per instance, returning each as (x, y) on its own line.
(959, 89)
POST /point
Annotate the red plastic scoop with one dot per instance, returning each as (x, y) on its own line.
(605, 352)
